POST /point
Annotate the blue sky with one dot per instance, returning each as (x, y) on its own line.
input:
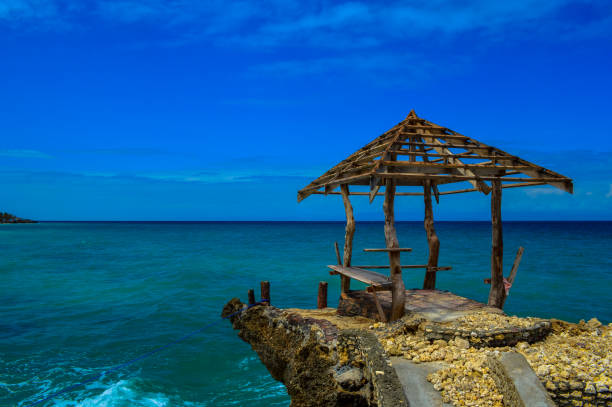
(192, 110)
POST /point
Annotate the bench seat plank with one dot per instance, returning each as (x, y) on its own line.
(377, 280)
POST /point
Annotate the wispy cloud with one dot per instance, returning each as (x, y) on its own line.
(354, 24)
(609, 194)
(24, 154)
(537, 192)
(129, 151)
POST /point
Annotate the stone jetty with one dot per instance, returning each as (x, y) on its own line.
(462, 355)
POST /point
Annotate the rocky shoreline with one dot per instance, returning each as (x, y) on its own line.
(326, 359)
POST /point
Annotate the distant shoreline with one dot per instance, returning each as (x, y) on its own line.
(7, 218)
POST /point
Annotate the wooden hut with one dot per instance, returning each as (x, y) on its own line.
(419, 153)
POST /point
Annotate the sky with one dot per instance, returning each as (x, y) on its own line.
(217, 110)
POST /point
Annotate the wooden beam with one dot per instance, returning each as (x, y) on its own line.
(515, 265)
(398, 292)
(322, 295)
(374, 187)
(448, 145)
(381, 313)
(393, 249)
(265, 292)
(368, 194)
(419, 164)
(514, 270)
(521, 184)
(432, 239)
(497, 293)
(502, 157)
(476, 183)
(348, 237)
(408, 266)
(446, 155)
(451, 177)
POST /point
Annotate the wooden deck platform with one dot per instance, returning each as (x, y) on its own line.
(433, 305)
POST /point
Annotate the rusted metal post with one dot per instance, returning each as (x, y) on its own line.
(322, 297)
(265, 292)
(251, 296)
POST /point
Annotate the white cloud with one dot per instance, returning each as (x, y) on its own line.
(536, 192)
(270, 23)
(24, 154)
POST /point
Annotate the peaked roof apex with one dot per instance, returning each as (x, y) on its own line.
(412, 115)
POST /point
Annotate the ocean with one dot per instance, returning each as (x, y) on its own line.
(79, 298)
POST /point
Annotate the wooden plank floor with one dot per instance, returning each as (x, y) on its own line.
(433, 305)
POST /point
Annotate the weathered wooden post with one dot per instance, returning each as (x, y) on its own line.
(345, 284)
(251, 297)
(322, 297)
(398, 293)
(265, 292)
(432, 239)
(497, 294)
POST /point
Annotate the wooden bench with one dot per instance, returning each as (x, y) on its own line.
(375, 281)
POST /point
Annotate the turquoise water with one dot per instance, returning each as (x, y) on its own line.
(79, 298)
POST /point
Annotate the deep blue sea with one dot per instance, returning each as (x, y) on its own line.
(79, 298)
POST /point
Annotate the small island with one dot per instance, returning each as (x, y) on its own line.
(8, 218)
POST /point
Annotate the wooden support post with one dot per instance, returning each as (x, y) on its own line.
(322, 297)
(338, 254)
(497, 294)
(432, 240)
(345, 284)
(265, 292)
(381, 313)
(514, 270)
(251, 297)
(398, 293)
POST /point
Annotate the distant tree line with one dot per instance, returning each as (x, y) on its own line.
(6, 217)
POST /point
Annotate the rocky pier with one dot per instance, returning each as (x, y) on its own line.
(460, 355)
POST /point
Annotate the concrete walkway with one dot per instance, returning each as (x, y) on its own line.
(515, 370)
(413, 376)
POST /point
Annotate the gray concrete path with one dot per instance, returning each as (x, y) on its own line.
(515, 371)
(527, 384)
(413, 376)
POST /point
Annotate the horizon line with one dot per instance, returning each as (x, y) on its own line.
(311, 221)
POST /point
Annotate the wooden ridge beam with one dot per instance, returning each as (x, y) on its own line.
(400, 176)
(446, 155)
(443, 165)
(368, 194)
